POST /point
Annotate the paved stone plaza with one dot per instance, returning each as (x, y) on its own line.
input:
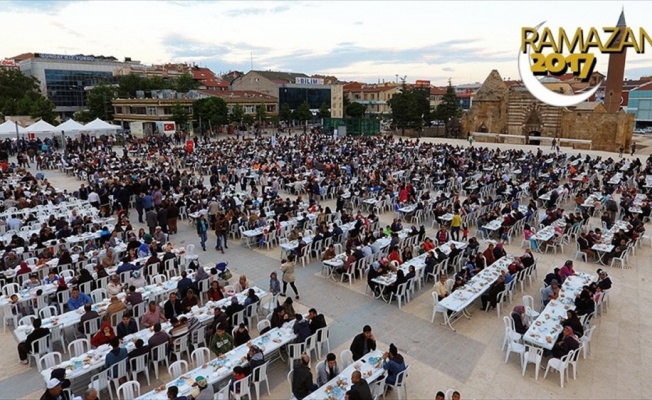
(469, 360)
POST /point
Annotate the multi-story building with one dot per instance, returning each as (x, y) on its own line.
(206, 78)
(640, 104)
(293, 89)
(374, 97)
(63, 78)
(148, 111)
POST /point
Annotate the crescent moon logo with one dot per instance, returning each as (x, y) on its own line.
(541, 92)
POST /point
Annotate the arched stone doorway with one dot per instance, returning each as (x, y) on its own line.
(483, 128)
(530, 138)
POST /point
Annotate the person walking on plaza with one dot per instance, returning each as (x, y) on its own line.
(221, 230)
(287, 267)
(633, 148)
(202, 228)
(621, 151)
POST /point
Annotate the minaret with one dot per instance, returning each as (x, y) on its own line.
(616, 72)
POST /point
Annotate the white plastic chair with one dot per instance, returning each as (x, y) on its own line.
(244, 386)
(560, 365)
(400, 295)
(157, 355)
(399, 384)
(295, 350)
(139, 364)
(223, 393)
(49, 360)
(347, 358)
(532, 355)
(78, 347)
(573, 360)
(513, 346)
(100, 381)
(98, 295)
(263, 324)
(8, 315)
(128, 390)
(436, 307)
(258, 376)
(179, 346)
(47, 312)
(510, 333)
(200, 356)
(43, 345)
(289, 378)
(323, 338)
(586, 341)
(178, 368)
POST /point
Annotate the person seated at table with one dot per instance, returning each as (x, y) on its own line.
(442, 235)
(604, 281)
(113, 357)
(566, 270)
(241, 335)
(114, 287)
(567, 343)
(302, 384)
(189, 301)
(153, 315)
(104, 335)
(393, 363)
(215, 292)
(140, 348)
(127, 326)
(428, 244)
(518, 315)
(184, 284)
(489, 254)
(329, 253)
(221, 342)
(25, 348)
(440, 287)
(396, 225)
(490, 298)
(584, 303)
(327, 370)
(363, 343)
(573, 321)
(551, 292)
(499, 251)
(251, 298)
(554, 275)
(347, 266)
(279, 317)
(241, 285)
(301, 328)
(114, 307)
(400, 279)
(78, 299)
(234, 307)
(32, 282)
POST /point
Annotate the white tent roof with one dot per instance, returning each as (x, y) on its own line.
(40, 126)
(10, 127)
(70, 125)
(99, 125)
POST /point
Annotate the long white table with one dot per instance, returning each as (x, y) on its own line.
(464, 296)
(370, 366)
(220, 369)
(547, 327)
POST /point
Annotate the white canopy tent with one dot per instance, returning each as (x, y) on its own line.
(41, 129)
(71, 128)
(99, 126)
(8, 130)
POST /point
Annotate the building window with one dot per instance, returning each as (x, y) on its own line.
(151, 111)
(138, 110)
(118, 110)
(271, 108)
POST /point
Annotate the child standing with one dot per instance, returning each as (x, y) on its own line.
(465, 233)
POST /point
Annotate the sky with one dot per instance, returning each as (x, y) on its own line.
(367, 41)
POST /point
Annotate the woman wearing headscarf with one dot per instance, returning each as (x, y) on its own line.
(137, 279)
(85, 276)
(201, 274)
(573, 321)
(400, 279)
(518, 315)
(104, 335)
(569, 341)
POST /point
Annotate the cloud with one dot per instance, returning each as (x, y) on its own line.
(66, 29)
(249, 11)
(448, 69)
(636, 73)
(358, 23)
(35, 5)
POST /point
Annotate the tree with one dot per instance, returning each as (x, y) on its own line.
(449, 106)
(180, 115)
(43, 108)
(185, 82)
(275, 120)
(355, 110)
(324, 110)
(303, 112)
(409, 108)
(83, 116)
(99, 102)
(20, 95)
(285, 114)
(261, 113)
(211, 111)
(237, 113)
(128, 85)
(248, 119)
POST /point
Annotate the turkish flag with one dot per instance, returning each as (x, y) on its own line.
(168, 127)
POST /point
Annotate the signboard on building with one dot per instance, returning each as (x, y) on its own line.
(309, 81)
(421, 83)
(7, 62)
(165, 127)
(65, 57)
(136, 129)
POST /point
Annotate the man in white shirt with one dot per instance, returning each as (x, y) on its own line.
(14, 223)
(440, 287)
(94, 199)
